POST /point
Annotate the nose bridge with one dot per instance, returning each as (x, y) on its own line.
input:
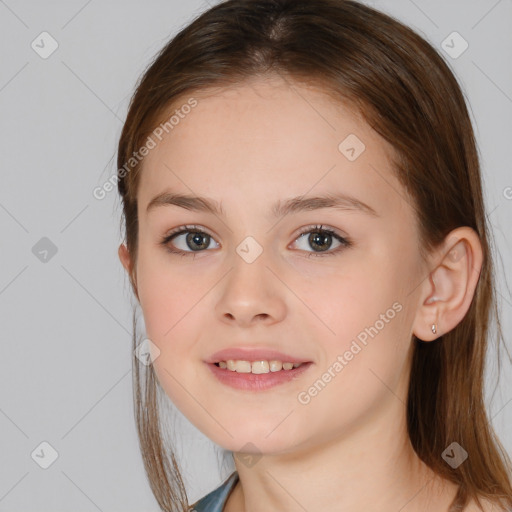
(249, 264)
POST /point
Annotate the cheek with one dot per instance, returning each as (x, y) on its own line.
(365, 368)
(159, 303)
(366, 333)
(166, 294)
(172, 318)
(346, 303)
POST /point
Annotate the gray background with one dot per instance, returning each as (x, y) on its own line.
(65, 366)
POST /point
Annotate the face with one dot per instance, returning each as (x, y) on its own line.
(250, 276)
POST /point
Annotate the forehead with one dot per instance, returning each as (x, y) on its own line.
(268, 139)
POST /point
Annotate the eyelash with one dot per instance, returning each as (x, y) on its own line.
(345, 242)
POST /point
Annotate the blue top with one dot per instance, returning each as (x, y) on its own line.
(216, 499)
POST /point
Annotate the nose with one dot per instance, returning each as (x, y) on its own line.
(251, 293)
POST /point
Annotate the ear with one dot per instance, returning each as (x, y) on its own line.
(127, 263)
(447, 293)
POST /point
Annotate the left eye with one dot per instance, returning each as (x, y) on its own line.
(198, 240)
(320, 238)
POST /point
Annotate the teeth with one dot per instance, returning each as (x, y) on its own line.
(256, 366)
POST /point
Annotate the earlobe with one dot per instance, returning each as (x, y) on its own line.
(450, 288)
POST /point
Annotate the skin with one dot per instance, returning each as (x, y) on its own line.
(247, 147)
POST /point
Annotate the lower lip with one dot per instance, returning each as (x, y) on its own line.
(257, 381)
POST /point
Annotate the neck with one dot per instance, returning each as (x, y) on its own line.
(372, 468)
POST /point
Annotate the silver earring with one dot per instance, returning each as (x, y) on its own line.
(434, 328)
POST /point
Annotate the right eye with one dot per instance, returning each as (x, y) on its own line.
(196, 240)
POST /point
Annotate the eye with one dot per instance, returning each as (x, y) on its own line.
(321, 239)
(197, 240)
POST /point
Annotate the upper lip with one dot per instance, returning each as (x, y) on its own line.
(253, 354)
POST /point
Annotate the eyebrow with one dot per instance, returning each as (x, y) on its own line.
(338, 201)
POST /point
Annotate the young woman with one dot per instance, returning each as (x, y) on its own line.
(306, 237)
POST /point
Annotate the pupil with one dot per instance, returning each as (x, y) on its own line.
(196, 239)
(319, 239)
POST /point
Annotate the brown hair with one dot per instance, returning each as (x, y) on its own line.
(407, 93)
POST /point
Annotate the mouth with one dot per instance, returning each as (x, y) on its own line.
(257, 367)
(257, 375)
